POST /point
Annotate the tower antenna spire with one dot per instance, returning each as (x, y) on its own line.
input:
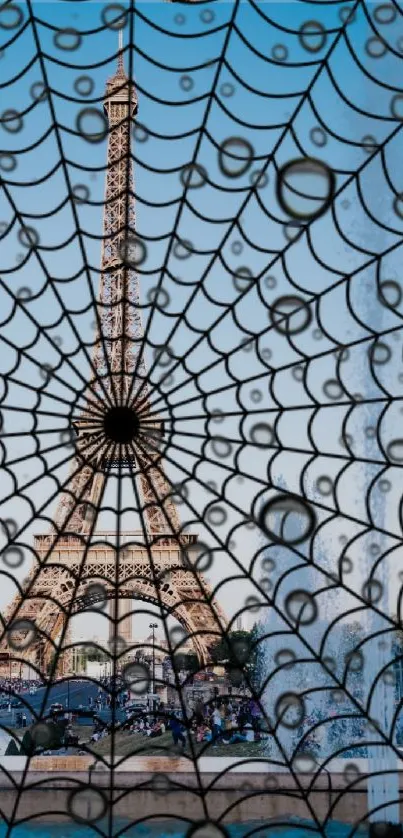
(121, 68)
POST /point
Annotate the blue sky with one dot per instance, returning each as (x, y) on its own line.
(338, 242)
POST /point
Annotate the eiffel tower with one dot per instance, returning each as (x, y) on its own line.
(115, 432)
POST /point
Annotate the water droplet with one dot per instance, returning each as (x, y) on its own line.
(186, 83)
(332, 389)
(13, 557)
(86, 805)
(38, 91)
(354, 661)
(132, 251)
(305, 188)
(95, 593)
(216, 516)
(262, 435)
(259, 178)
(158, 297)
(279, 52)
(207, 829)
(235, 156)
(305, 763)
(292, 229)
(375, 47)
(394, 450)
(312, 36)
(398, 205)
(24, 293)
(285, 657)
(80, 193)
(11, 16)
(193, 176)
(396, 106)
(300, 606)
(390, 293)
(379, 352)
(227, 89)
(182, 248)
(21, 634)
(290, 710)
(351, 773)
(318, 136)
(369, 144)
(290, 315)
(207, 16)
(347, 14)
(222, 447)
(67, 39)
(136, 676)
(92, 125)
(114, 16)
(7, 162)
(237, 248)
(199, 556)
(28, 237)
(243, 279)
(283, 515)
(324, 485)
(372, 591)
(384, 13)
(11, 121)
(84, 85)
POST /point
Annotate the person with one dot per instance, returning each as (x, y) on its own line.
(249, 733)
(228, 723)
(176, 730)
(242, 716)
(199, 712)
(217, 731)
(238, 736)
(24, 720)
(155, 730)
(200, 732)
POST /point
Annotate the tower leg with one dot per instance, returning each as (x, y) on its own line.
(124, 628)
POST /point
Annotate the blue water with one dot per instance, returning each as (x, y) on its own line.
(177, 829)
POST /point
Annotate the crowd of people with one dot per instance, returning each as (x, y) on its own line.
(16, 686)
(219, 721)
(223, 722)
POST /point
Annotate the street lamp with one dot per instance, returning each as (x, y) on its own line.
(153, 626)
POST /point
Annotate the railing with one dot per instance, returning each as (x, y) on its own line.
(111, 535)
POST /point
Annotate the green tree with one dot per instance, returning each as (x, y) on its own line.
(12, 749)
(234, 648)
(27, 745)
(187, 661)
(239, 653)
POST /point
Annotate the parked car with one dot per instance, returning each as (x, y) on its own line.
(56, 707)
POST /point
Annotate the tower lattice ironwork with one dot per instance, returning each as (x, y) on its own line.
(115, 429)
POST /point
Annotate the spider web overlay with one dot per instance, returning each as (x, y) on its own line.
(262, 249)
